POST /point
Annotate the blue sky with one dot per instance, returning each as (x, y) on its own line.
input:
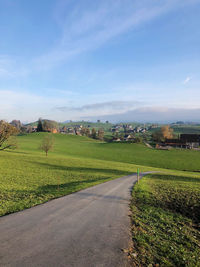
(89, 59)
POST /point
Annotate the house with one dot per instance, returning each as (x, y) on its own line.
(115, 130)
(138, 129)
(34, 129)
(129, 137)
(78, 133)
(63, 130)
(116, 139)
(70, 130)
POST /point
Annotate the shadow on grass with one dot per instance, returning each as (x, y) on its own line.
(15, 151)
(70, 186)
(55, 190)
(175, 178)
(21, 199)
(83, 169)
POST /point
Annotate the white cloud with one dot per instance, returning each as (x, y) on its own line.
(187, 80)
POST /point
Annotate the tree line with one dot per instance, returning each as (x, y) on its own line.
(46, 125)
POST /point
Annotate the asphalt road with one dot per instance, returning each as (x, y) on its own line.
(88, 228)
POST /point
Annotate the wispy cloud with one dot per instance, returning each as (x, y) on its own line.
(187, 80)
(10, 67)
(152, 114)
(85, 29)
(5, 66)
(103, 108)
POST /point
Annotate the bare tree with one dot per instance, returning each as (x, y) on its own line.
(94, 133)
(83, 131)
(17, 124)
(47, 143)
(87, 133)
(100, 134)
(7, 133)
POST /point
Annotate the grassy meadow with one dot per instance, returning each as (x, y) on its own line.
(83, 147)
(28, 177)
(165, 205)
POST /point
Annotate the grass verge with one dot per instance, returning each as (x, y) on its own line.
(165, 220)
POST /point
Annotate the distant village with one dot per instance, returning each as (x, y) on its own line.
(162, 136)
(126, 132)
(119, 132)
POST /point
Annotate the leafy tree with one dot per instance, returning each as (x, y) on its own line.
(157, 136)
(7, 133)
(167, 132)
(164, 133)
(49, 126)
(47, 143)
(40, 126)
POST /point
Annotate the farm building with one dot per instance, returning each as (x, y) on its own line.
(175, 143)
(184, 141)
(191, 140)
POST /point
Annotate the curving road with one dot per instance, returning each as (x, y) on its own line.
(88, 228)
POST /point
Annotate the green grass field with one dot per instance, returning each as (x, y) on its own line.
(83, 147)
(28, 177)
(165, 206)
